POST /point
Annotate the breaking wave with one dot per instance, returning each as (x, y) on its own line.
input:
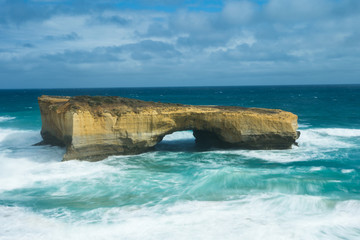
(265, 216)
(6, 118)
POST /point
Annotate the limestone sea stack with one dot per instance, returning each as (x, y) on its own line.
(92, 128)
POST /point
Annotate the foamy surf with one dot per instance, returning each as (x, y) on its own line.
(338, 132)
(6, 118)
(181, 135)
(265, 216)
(18, 138)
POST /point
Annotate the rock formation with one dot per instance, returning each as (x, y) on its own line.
(92, 128)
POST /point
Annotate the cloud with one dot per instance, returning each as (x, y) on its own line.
(18, 12)
(239, 12)
(79, 57)
(158, 29)
(63, 37)
(299, 10)
(116, 20)
(148, 49)
(28, 45)
(141, 51)
(177, 43)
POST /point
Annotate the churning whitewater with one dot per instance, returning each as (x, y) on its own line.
(178, 192)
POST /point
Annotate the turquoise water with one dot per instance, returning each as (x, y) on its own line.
(176, 192)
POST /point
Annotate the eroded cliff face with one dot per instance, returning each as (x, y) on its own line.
(93, 128)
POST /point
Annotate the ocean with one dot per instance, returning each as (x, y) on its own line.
(177, 192)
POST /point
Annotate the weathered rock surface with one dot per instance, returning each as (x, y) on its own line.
(93, 128)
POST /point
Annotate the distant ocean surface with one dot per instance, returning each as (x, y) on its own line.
(307, 192)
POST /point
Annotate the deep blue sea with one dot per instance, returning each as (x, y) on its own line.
(308, 192)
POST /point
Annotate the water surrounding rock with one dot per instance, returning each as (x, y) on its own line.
(93, 128)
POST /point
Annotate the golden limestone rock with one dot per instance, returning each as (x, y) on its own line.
(92, 128)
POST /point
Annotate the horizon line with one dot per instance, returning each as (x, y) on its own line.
(213, 86)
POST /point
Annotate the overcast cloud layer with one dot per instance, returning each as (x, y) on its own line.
(86, 43)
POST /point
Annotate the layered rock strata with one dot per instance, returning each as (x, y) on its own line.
(92, 128)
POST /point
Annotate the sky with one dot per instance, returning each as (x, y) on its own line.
(153, 43)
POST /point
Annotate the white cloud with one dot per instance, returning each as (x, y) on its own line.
(239, 12)
(298, 10)
(233, 43)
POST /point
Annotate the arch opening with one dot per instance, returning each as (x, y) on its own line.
(190, 140)
(177, 141)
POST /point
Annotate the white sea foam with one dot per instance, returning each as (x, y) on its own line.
(324, 138)
(315, 169)
(303, 125)
(292, 155)
(6, 118)
(18, 138)
(42, 165)
(265, 216)
(338, 132)
(181, 135)
(21, 162)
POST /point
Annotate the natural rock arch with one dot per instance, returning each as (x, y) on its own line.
(93, 128)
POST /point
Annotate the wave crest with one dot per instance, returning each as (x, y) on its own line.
(6, 118)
